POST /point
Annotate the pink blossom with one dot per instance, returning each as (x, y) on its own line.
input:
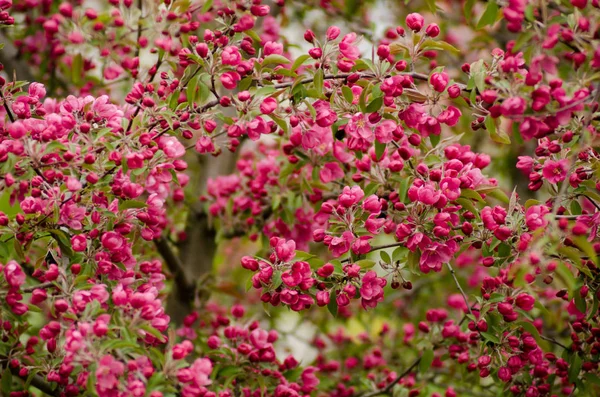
(107, 375)
(231, 56)
(285, 250)
(351, 196)
(371, 290)
(331, 172)
(535, 217)
(230, 80)
(436, 255)
(14, 275)
(555, 171)
(171, 147)
(415, 21)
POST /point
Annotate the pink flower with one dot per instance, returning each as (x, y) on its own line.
(299, 275)
(525, 302)
(535, 216)
(79, 243)
(171, 147)
(285, 250)
(450, 188)
(134, 160)
(340, 245)
(326, 117)
(360, 133)
(36, 90)
(350, 196)
(201, 369)
(514, 106)
(415, 21)
(450, 116)
(439, 81)
(107, 375)
(384, 132)
(112, 241)
(332, 32)
(371, 290)
(14, 275)
(231, 56)
(268, 105)
(555, 171)
(347, 47)
(230, 79)
(331, 172)
(372, 204)
(435, 255)
(525, 164)
(112, 72)
(272, 47)
(204, 145)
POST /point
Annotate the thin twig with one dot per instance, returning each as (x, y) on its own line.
(552, 340)
(462, 291)
(8, 111)
(391, 385)
(45, 285)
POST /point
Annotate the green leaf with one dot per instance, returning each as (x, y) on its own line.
(434, 139)
(426, 360)
(303, 256)
(300, 61)
(498, 194)
(439, 45)
(365, 263)
(583, 244)
(527, 326)
(498, 136)
(207, 6)
(431, 6)
(490, 337)
(575, 257)
(478, 73)
(275, 59)
(348, 95)
(575, 367)
(280, 122)
(468, 10)
(154, 332)
(127, 204)
(245, 83)
(191, 90)
(318, 82)
(379, 150)
(489, 15)
(6, 385)
(592, 378)
(374, 105)
(77, 69)
(362, 99)
(471, 194)
(63, 241)
(4, 250)
(332, 306)
(385, 257)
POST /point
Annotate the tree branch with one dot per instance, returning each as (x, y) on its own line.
(185, 289)
(37, 381)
